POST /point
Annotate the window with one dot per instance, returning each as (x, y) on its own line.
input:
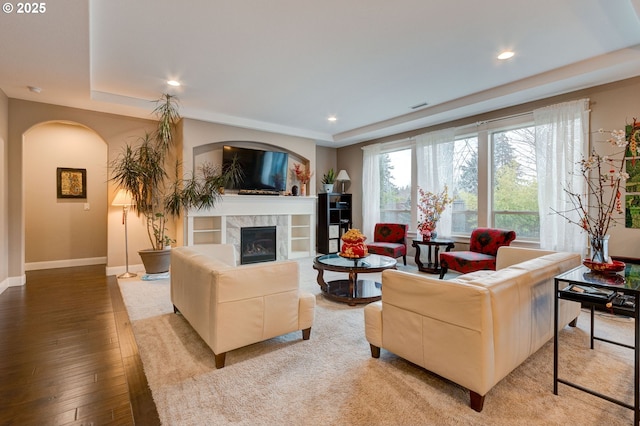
(465, 186)
(491, 172)
(514, 182)
(395, 186)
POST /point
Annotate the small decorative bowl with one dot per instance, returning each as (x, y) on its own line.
(604, 268)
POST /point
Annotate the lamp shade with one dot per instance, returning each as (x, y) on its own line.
(122, 198)
(343, 176)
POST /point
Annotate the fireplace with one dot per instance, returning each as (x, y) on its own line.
(257, 244)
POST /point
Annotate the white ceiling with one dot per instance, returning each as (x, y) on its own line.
(286, 65)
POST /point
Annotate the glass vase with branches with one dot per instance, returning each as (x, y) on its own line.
(597, 208)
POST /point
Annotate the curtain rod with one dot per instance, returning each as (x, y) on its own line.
(476, 123)
(522, 114)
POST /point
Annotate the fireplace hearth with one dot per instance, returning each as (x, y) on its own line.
(257, 244)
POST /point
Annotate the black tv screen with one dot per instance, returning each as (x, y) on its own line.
(265, 170)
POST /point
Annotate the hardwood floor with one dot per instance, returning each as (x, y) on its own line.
(68, 355)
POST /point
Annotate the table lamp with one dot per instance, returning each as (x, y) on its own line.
(343, 177)
(123, 198)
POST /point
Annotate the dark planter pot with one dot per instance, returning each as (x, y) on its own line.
(156, 261)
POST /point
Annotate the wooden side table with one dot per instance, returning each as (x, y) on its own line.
(433, 261)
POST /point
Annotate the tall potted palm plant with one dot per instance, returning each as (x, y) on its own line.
(141, 168)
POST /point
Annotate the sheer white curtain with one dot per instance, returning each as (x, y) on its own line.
(370, 188)
(434, 155)
(562, 139)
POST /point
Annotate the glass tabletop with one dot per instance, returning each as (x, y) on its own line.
(373, 261)
(629, 278)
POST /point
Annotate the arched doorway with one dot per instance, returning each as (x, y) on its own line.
(67, 229)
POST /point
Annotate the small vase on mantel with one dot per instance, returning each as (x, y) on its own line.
(303, 190)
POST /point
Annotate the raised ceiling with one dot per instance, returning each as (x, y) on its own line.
(287, 65)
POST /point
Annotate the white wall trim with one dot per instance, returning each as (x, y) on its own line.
(12, 282)
(117, 270)
(17, 281)
(35, 266)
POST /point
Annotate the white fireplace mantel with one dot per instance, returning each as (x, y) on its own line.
(294, 217)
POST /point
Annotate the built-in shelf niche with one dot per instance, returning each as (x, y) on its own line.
(207, 230)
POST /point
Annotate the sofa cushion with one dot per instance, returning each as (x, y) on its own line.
(472, 276)
(387, 249)
(467, 261)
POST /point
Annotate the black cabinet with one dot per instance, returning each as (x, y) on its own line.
(334, 219)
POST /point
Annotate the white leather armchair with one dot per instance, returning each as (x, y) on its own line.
(233, 306)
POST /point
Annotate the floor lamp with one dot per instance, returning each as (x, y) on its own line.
(124, 199)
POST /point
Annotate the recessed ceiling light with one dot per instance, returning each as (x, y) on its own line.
(332, 118)
(173, 83)
(34, 89)
(506, 55)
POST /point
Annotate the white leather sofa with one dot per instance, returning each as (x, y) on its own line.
(233, 306)
(476, 328)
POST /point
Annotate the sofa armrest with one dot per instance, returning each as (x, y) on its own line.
(451, 301)
(508, 255)
(306, 310)
(225, 253)
(373, 323)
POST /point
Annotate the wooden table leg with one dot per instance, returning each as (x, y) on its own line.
(417, 259)
(320, 279)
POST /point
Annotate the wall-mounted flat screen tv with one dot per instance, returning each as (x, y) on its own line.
(264, 170)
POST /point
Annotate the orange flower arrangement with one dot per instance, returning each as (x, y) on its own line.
(303, 174)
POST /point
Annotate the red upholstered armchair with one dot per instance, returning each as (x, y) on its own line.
(483, 247)
(389, 239)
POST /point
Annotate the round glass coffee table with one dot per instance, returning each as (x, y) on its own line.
(352, 290)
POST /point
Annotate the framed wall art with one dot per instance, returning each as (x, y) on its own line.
(72, 183)
(632, 211)
(632, 183)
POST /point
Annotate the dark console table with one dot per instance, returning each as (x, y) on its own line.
(433, 261)
(615, 292)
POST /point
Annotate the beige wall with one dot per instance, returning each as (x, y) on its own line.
(326, 158)
(4, 185)
(115, 130)
(612, 106)
(61, 231)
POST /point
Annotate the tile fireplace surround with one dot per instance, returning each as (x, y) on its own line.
(293, 217)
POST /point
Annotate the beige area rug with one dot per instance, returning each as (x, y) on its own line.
(331, 379)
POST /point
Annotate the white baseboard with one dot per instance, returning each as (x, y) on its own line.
(35, 266)
(12, 282)
(117, 270)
